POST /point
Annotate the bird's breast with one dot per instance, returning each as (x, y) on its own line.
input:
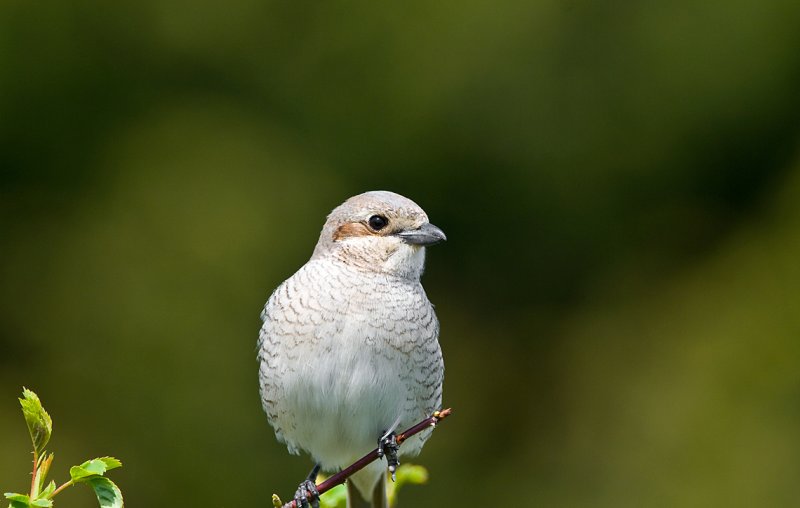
(343, 357)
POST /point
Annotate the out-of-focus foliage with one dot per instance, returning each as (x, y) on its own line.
(619, 183)
(407, 474)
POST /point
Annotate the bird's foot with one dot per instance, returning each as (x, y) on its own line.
(306, 495)
(387, 446)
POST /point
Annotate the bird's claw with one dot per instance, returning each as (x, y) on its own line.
(387, 446)
(306, 495)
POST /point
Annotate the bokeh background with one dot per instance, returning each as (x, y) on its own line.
(619, 182)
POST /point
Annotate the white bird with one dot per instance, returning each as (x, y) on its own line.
(349, 347)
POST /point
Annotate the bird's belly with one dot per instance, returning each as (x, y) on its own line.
(343, 400)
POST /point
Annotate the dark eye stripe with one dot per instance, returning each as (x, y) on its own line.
(378, 222)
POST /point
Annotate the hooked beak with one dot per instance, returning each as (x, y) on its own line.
(427, 234)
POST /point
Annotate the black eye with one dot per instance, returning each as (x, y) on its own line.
(378, 222)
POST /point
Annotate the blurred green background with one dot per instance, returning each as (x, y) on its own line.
(619, 182)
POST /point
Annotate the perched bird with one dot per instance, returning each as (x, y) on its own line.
(349, 347)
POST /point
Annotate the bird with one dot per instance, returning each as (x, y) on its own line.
(348, 350)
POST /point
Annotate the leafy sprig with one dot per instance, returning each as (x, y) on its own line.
(407, 474)
(91, 473)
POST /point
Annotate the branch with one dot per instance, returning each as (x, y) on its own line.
(361, 463)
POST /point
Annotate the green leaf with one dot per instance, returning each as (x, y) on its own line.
(40, 425)
(87, 469)
(108, 494)
(47, 492)
(18, 500)
(44, 503)
(407, 474)
(334, 498)
(13, 496)
(412, 474)
(110, 462)
(94, 467)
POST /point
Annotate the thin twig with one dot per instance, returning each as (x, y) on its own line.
(361, 463)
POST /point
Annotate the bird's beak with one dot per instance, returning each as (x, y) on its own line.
(427, 234)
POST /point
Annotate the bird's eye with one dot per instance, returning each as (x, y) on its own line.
(378, 222)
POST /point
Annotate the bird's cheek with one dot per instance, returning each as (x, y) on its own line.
(406, 259)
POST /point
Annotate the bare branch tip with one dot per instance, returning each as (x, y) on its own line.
(444, 413)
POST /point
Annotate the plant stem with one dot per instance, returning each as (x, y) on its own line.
(67, 484)
(33, 492)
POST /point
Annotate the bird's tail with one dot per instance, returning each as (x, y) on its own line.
(355, 499)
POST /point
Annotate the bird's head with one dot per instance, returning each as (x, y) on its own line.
(379, 231)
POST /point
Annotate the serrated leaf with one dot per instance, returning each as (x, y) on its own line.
(108, 494)
(110, 462)
(40, 425)
(47, 492)
(94, 467)
(42, 503)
